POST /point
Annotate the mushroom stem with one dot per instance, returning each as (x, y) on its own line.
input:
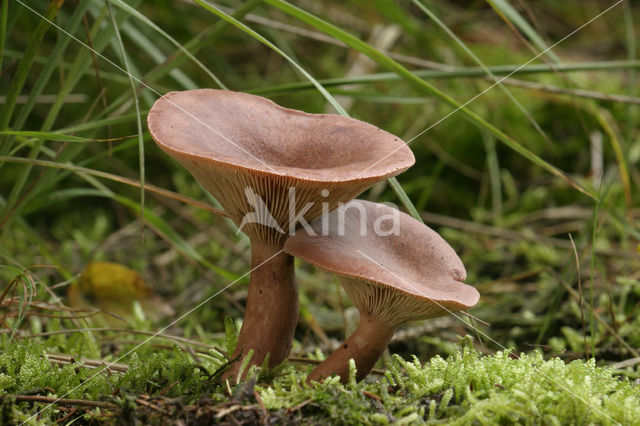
(271, 313)
(364, 346)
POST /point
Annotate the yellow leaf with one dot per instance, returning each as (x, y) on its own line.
(114, 288)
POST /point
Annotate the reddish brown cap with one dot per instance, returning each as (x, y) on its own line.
(232, 141)
(393, 267)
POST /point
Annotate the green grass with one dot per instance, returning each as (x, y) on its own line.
(508, 175)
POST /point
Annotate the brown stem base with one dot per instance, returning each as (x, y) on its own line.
(364, 346)
(271, 313)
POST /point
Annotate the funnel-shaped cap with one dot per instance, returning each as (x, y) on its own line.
(270, 166)
(392, 266)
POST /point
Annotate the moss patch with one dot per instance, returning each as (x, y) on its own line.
(467, 388)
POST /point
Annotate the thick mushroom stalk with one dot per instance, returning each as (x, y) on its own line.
(393, 268)
(383, 308)
(364, 346)
(273, 301)
(271, 168)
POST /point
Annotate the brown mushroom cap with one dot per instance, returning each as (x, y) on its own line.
(232, 141)
(409, 275)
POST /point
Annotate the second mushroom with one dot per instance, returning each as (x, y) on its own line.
(393, 268)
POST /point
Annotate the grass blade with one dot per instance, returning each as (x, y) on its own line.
(45, 136)
(477, 60)
(3, 29)
(148, 46)
(602, 116)
(230, 19)
(424, 87)
(66, 66)
(592, 267)
(510, 15)
(15, 89)
(125, 61)
(404, 198)
(162, 228)
(204, 39)
(98, 124)
(52, 62)
(22, 72)
(454, 72)
(116, 178)
(133, 12)
(100, 36)
(632, 113)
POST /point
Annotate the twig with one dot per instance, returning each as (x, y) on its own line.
(61, 401)
(228, 410)
(88, 363)
(611, 97)
(626, 363)
(151, 406)
(117, 330)
(258, 398)
(513, 235)
(121, 179)
(299, 406)
(371, 395)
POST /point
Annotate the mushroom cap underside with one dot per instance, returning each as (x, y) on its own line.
(393, 307)
(272, 167)
(380, 245)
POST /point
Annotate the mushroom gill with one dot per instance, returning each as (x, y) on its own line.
(393, 268)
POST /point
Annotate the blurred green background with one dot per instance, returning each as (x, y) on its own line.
(554, 255)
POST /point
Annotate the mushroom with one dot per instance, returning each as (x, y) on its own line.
(393, 268)
(272, 169)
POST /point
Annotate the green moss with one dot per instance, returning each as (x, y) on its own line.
(468, 388)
